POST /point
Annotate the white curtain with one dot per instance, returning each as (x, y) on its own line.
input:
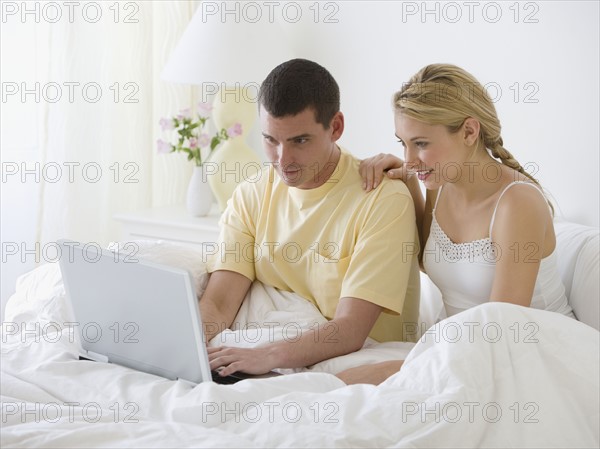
(110, 144)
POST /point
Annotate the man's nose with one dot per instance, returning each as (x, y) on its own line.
(285, 156)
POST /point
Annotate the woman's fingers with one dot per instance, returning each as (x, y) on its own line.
(397, 173)
(373, 169)
(368, 176)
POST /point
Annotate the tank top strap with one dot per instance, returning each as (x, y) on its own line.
(502, 193)
(437, 198)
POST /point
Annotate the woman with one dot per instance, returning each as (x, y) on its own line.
(485, 224)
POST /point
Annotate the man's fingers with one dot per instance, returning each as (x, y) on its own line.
(226, 360)
(212, 350)
(221, 361)
(231, 368)
(226, 365)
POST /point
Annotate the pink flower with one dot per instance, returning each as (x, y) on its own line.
(163, 147)
(193, 142)
(166, 124)
(203, 140)
(204, 108)
(235, 130)
(184, 113)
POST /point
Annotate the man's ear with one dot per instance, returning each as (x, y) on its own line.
(471, 128)
(337, 126)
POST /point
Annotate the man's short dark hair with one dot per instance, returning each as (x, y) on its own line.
(298, 84)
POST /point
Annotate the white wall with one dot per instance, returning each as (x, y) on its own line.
(376, 46)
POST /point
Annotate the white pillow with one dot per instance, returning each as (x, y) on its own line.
(585, 291)
(167, 253)
(570, 239)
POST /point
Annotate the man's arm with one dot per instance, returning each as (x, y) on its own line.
(345, 333)
(221, 300)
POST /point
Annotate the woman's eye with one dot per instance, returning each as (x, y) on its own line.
(421, 144)
(402, 143)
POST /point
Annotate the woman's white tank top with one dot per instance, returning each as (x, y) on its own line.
(464, 272)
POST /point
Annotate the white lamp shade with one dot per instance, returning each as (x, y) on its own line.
(217, 49)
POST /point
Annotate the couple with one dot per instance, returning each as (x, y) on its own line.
(346, 236)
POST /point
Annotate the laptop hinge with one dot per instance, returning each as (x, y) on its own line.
(95, 356)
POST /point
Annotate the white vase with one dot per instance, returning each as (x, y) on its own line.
(199, 195)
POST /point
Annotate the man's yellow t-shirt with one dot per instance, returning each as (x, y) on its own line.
(327, 243)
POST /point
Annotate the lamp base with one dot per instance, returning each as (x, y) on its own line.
(234, 161)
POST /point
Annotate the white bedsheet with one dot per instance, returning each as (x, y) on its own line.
(464, 384)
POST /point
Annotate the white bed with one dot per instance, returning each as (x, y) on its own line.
(464, 384)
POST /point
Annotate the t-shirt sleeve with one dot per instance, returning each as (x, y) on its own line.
(385, 252)
(234, 250)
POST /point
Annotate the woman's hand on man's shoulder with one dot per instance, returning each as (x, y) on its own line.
(373, 169)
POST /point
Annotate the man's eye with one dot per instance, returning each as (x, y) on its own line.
(301, 140)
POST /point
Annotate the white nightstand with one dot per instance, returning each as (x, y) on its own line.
(172, 223)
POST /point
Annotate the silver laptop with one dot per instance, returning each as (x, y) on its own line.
(136, 313)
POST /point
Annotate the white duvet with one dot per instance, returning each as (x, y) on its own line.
(497, 375)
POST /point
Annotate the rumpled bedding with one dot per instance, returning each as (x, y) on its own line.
(498, 375)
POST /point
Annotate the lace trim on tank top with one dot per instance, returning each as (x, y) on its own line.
(460, 251)
(476, 248)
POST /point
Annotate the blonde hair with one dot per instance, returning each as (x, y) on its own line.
(444, 94)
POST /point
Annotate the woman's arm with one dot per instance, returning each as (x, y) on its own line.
(519, 235)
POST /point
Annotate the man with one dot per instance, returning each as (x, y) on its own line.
(349, 253)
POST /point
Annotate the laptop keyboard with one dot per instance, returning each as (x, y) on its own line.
(224, 380)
